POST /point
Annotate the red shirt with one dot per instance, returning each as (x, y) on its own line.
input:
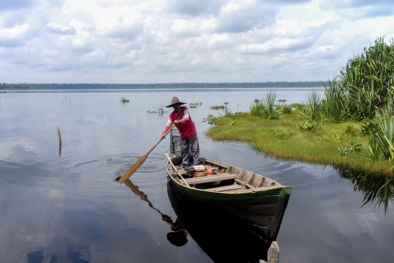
(186, 126)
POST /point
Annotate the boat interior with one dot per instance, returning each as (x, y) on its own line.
(221, 178)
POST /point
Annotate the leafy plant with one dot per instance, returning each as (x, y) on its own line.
(351, 130)
(308, 125)
(210, 119)
(349, 148)
(288, 123)
(369, 127)
(226, 111)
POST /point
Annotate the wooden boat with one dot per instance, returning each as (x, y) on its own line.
(252, 198)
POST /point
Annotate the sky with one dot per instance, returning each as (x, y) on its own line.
(183, 41)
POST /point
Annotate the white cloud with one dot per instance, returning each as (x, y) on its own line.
(185, 41)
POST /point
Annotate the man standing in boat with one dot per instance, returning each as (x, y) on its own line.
(187, 131)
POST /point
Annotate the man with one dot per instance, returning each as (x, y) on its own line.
(187, 131)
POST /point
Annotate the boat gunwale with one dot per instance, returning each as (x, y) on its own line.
(238, 192)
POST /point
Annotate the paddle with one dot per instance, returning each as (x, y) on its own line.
(140, 161)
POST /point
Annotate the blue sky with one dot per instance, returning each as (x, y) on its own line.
(166, 41)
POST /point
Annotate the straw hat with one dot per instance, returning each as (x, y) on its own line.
(174, 101)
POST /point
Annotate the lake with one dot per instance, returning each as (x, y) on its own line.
(63, 204)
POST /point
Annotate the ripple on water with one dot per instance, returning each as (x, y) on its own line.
(97, 174)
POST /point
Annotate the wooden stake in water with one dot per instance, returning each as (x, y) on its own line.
(60, 142)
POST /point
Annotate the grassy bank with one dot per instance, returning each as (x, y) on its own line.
(328, 143)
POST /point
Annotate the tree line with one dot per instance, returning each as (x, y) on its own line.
(274, 84)
(4, 86)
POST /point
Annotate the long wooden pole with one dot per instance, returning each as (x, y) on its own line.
(168, 157)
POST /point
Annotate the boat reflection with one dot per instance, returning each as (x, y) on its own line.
(222, 237)
(378, 189)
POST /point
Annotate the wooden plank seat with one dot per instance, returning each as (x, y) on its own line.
(226, 188)
(210, 178)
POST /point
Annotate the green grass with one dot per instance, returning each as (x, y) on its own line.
(284, 139)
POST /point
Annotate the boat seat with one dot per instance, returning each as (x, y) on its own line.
(210, 178)
(226, 188)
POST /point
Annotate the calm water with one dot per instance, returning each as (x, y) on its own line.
(64, 206)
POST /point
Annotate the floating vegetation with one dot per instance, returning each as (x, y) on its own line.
(217, 107)
(159, 110)
(124, 100)
(195, 104)
(210, 119)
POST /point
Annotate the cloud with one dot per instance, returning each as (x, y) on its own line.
(195, 7)
(217, 41)
(61, 31)
(125, 32)
(241, 18)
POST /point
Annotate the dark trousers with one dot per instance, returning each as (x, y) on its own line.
(190, 144)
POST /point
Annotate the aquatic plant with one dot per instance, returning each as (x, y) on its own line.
(268, 103)
(313, 104)
(217, 107)
(365, 84)
(265, 107)
(335, 105)
(210, 119)
(159, 110)
(383, 138)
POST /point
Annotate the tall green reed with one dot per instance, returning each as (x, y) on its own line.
(314, 106)
(383, 138)
(265, 107)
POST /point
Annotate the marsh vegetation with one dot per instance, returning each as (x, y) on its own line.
(351, 123)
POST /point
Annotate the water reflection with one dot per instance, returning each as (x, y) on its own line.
(378, 189)
(221, 237)
(178, 236)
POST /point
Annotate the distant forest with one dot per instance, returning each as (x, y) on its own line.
(59, 86)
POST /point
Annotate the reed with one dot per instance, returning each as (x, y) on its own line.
(365, 84)
(383, 138)
(314, 107)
